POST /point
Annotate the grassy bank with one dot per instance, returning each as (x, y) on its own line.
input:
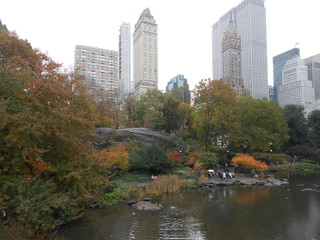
(136, 187)
(303, 166)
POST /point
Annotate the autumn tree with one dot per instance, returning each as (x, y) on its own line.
(247, 161)
(48, 172)
(260, 125)
(214, 117)
(175, 156)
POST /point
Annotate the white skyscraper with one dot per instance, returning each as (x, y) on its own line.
(250, 21)
(313, 65)
(296, 88)
(145, 54)
(125, 84)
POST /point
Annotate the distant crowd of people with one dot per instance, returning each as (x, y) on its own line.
(224, 174)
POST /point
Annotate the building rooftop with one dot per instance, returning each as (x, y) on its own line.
(145, 13)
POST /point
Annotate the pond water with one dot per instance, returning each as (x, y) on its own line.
(289, 212)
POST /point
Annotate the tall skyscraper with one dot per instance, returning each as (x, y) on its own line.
(99, 68)
(278, 63)
(231, 59)
(145, 54)
(180, 88)
(125, 84)
(296, 88)
(250, 20)
(313, 65)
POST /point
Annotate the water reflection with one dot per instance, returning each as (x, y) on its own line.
(212, 214)
(250, 196)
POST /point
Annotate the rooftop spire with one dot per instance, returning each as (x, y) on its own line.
(145, 13)
(231, 25)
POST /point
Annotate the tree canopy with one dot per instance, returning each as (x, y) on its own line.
(297, 123)
(214, 118)
(314, 127)
(260, 125)
(48, 172)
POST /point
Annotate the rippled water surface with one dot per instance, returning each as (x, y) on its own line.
(223, 213)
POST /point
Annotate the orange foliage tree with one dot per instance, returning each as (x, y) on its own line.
(247, 161)
(174, 156)
(114, 159)
(192, 159)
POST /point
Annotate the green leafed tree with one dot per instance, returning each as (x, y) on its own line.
(260, 125)
(298, 126)
(182, 94)
(314, 127)
(150, 109)
(214, 118)
(171, 114)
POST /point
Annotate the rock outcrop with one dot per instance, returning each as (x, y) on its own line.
(147, 206)
(143, 137)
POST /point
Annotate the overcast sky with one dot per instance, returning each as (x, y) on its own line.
(184, 29)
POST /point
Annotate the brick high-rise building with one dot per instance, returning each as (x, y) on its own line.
(99, 68)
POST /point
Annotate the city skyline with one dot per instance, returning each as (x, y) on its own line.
(184, 30)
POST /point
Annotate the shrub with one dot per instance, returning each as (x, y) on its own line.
(278, 159)
(191, 186)
(247, 161)
(132, 145)
(37, 206)
(175, 157)
(114, 197)
(135, 192)
(114, 159)
(156, 196)
(192, 159)
(150, 159)
(208, 159)
(305, 153)
(165, 184)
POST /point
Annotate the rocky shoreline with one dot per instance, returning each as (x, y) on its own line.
(212, 182)
(148, 205)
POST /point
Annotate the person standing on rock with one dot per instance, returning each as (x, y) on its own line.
(253, 172)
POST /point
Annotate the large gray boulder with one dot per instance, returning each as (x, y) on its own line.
(147, 206)
(144, 137)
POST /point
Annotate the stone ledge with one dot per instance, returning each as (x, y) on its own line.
(147, 206)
